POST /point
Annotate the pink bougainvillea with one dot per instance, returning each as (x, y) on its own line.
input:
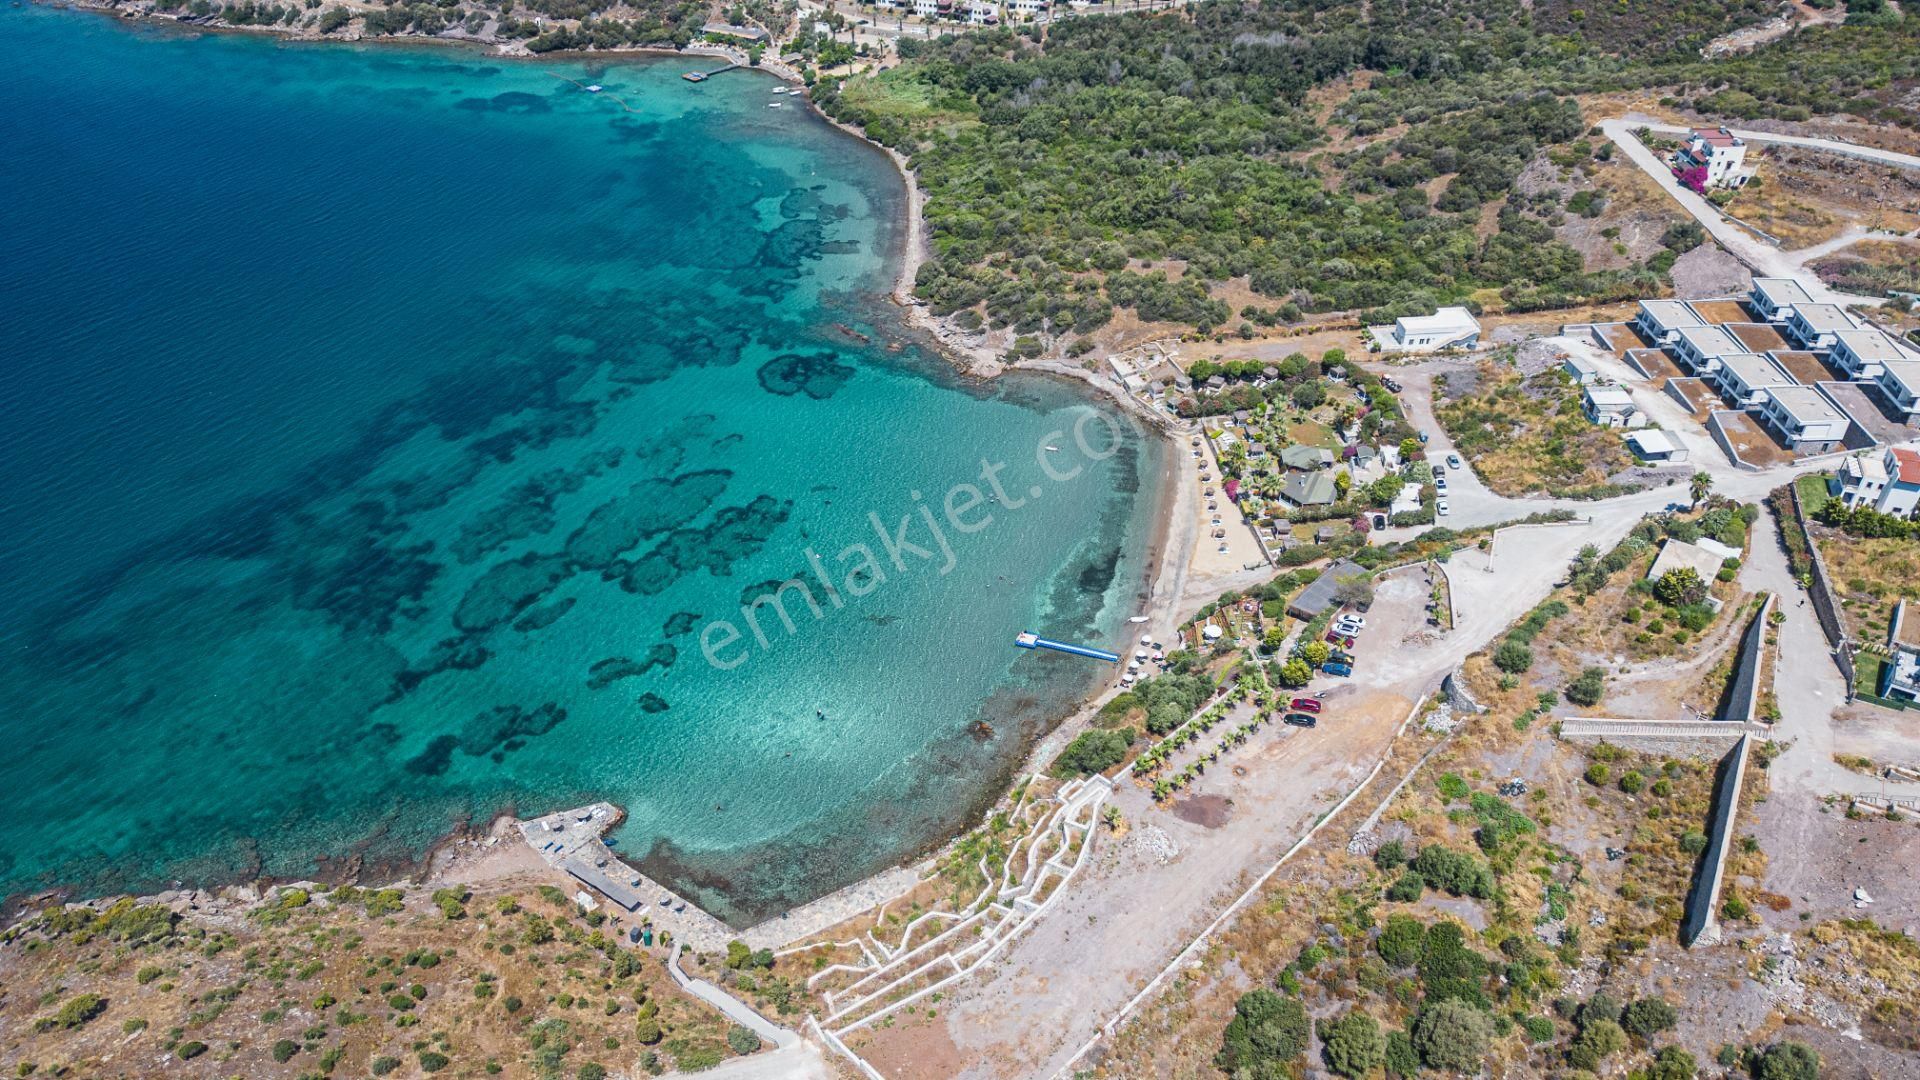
(1232, 488)
(1695, 178)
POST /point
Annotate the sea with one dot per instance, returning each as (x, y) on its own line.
(399, 435)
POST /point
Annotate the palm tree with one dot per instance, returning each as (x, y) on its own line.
(1700, 485)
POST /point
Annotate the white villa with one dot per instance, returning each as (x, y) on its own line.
(1700, 348)
(1899, 382)
(1805, 419)
(1721, 152)
(1660, 321)
(1774, 298)
(1861, 353)
(1889, 483)
(1745, 378)
(1609, 406)
(1447, 328)
(1815, 326)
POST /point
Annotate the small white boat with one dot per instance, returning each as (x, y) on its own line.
(1053, 449)
(595, 88)
(1138, 618)
(773, 104)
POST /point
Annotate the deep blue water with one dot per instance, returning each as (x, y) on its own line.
(384, 429)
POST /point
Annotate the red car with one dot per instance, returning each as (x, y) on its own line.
(1307, 704)
(1343, 640)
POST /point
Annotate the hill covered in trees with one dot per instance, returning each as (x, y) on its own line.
(1136, 161)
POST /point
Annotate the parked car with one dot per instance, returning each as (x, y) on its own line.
(1356, 620)
(1300, 719)
(1441, 508)
(1342, 670)
(1306, 704)
(1340, 656)
(1334, 637)
(1453, 461)
(1423, 438)
(1439, 482)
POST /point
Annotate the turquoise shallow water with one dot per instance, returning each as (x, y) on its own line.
(385, 428)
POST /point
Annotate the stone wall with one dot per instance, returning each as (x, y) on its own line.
(1702, 922)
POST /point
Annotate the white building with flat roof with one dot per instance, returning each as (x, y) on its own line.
(1720, 152)
(1660, 321)
(1814, 326)
(1699, 348)
(1656, 447)
(1581, 368)
(1806, 420)
(1860, 353)
(1899, 383)
(1745, 378)
(1608, 406)
(1447, 328)
(1774, 298)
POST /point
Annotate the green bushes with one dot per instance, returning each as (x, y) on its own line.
(1454, 872)
(1268, 1031)
(1352, 1045)
(1401, 941)
(75, 1013)
(1407, 889)
(1588, 688)
(284, 1050)
(187, 1051)
(1449, 970)
(742, 1040)
(1785, 1061)
(1647, 1017)
(1093, 752)
(1452, 1035)
(433, 1061)
(1512, 657)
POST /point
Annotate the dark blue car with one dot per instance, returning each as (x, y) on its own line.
(1332, 668)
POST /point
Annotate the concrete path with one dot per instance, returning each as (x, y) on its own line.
(801, 1061)
(1765, 259)
(733, 1007)
(1831, 146)
(1806, 681)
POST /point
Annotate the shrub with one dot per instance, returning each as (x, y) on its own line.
(1513, 657)
(1648, 1017)
(592, 1070)
(1401, 940)
(76, 1012)
(1452, 786)
(1452, 1035)
(1267, 1030)
(190, 1050)
(1454, 872)
(383, 1065)
(1091, 752)
(1598, 774)
(1352, 1045)
(1692, 842)
(1407, 889)
(741, 1040)
(1450, 970)
(284, 1050)
(1787, 1061)
(1673, 1063)
(1596, 1042)
(1631, 782)
(147, 974)
(647, 1030)
(1539, 1029)
(1588, 688)
(1390, 856)
(1401, 1059)
(431, 1061)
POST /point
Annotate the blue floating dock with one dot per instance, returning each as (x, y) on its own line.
(1030, 640)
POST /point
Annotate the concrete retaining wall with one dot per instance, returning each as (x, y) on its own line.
(1826, 606)
(1744, 693)
(1696, 739)
(1702, 922)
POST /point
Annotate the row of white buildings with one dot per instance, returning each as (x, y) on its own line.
(975, 12)
(1805, 418)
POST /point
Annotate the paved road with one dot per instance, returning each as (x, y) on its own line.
(1832, 146)
(1765, 259)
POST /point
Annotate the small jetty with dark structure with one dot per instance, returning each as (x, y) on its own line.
(703, 76)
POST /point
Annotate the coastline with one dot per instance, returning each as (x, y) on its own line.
(456, 856)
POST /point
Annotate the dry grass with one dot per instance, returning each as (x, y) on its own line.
(1527, 435)
(324, 976)
(1870, 576)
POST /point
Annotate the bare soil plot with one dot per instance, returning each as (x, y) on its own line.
(1656, 365)
(1869, 411)
(1753, 442)
(1757, 337)
(1700, 399)
(1806, 368)
(1722, 311)
(1805, 196)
